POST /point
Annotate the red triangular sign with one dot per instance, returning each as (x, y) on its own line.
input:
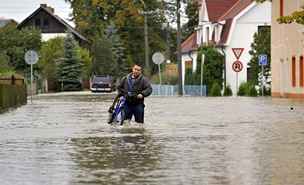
(237, 52)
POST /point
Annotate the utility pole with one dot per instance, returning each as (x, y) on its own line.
(179, 49)
(147, 63)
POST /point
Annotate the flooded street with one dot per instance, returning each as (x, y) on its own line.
(65, 140)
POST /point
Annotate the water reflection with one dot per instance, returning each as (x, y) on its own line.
(129, 156)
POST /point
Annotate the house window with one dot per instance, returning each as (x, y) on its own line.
(45, 23)
(281, 8)
(263, 29)
(207, 34)
(37, 23)
(301, 72)
(293, 72)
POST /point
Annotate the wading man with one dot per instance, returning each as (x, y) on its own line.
(135, 87)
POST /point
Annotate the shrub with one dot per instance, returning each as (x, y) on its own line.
(252, 91)
(215, 90)
(243, 89)
(227, 91)
(247, 89)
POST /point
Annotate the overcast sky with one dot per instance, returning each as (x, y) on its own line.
(20, 9)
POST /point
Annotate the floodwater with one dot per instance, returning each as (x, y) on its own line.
(65, 140)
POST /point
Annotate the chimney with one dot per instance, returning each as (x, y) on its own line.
(50, 9)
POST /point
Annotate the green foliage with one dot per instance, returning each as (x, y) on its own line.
(50, 52)
(14, 43)
(12, 96)
(102, 57)
(227, 91)
(247, 89)
(260, 45)
(192, 14)
(252, 91)
(213, 67)
(215, 90)
(70, 68)
(86, 61)
(4, 64)
(243, 89)
(93, 18)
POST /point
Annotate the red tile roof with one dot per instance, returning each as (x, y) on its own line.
(236, 9)
(190, 43)
(217, 8)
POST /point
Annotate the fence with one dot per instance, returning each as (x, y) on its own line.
(12, 92)
(172, 90)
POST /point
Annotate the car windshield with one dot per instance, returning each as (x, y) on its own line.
(102, 79)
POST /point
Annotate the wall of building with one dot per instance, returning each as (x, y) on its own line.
(287, 41)
(243, 30)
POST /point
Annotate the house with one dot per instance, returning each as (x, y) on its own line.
(5, 21)
(287, 63)
(230, 26)
(51, 25)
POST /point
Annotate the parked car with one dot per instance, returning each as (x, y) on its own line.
(101, 83)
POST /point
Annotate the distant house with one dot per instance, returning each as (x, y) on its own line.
(51, 25)
(4, 22)
(227, 24)
(287, 56)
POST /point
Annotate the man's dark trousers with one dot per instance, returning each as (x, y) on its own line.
(137, 110)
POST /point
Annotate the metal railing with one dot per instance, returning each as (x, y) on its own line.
(172, 90)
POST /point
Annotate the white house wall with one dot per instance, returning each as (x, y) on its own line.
(242, 37)
(48, 36)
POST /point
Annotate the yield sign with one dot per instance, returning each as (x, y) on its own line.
(237, 52)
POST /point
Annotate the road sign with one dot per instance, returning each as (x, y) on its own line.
(237, 66)
(237, 52)
(263, 60)
(158, 58)
(31, 57)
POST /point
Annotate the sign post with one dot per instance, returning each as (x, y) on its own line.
(31, 58)
(158, 58)
(237, 66)
(263, 62)
(202, 72)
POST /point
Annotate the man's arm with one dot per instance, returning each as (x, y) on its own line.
(147, 90)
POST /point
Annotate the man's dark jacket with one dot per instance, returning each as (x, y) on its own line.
(141, 85)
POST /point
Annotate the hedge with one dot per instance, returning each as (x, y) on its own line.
(12, 96)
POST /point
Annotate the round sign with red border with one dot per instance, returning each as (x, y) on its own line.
(237, 66)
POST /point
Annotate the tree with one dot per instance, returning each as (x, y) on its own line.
(70, 68)
(260, 45)
(213, 66)
(192, 15)
(50, 52)
(94, 17)
(14, 43)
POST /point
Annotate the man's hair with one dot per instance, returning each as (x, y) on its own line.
(137, 64)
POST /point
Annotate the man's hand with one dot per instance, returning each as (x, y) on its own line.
(140, 96)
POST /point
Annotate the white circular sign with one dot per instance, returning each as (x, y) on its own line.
(158, 58)
(31, 57)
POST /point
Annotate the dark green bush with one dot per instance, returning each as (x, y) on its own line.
(252, 91)
(247, 89)
(215, 90)
(12, 96)
(243, 89)
(227, 91)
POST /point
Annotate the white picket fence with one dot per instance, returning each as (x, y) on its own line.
(172, 90)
